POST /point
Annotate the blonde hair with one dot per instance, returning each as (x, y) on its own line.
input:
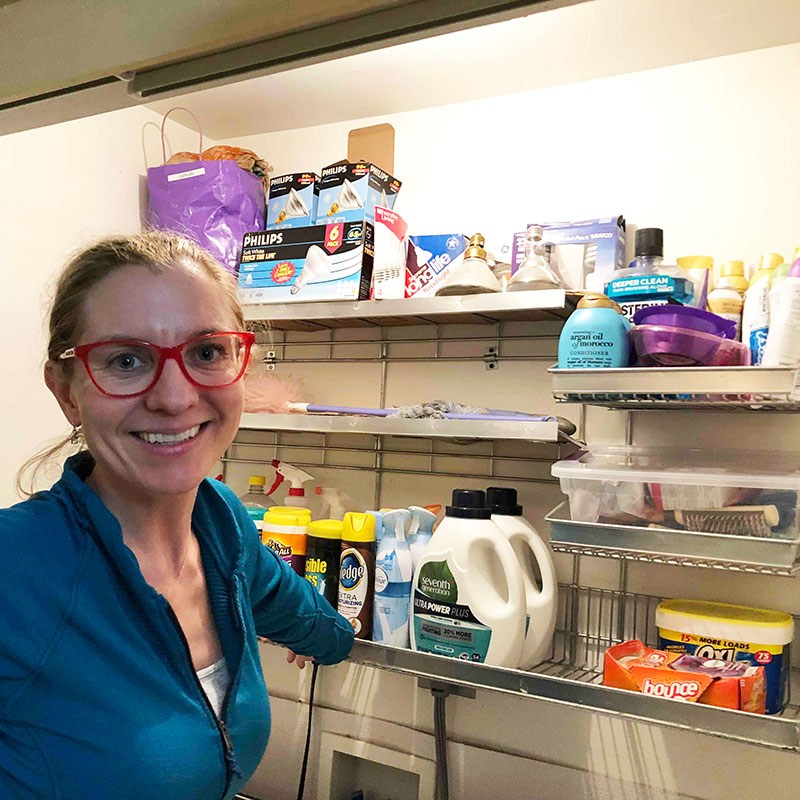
(159, 252)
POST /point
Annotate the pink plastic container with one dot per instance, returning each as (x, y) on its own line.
(666, 346)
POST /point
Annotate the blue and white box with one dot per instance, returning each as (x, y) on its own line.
(431, 260)
(349, 192)
(292, 200)
(317, 262)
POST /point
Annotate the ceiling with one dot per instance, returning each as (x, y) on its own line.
(576, 43)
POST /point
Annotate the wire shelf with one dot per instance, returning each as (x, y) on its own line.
(589, 621)
(696, 388)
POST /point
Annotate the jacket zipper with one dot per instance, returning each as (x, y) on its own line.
(222, 728)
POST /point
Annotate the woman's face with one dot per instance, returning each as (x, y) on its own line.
(166, 309)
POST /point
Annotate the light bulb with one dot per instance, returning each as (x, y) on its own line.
(317, 267)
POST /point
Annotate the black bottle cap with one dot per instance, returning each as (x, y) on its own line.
(649, 242)
(503, 500)
(468, 504)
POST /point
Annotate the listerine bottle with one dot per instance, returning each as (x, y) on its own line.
(534, 272)
(649, 282)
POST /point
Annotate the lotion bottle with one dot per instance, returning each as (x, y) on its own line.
(595, 336)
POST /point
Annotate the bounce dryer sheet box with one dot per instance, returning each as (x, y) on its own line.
(318, 262)
(389, 266)
(431, 260)
(292, 200)
(581, 254)
(727, 684)
(349, 192)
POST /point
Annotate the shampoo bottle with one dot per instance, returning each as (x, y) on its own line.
(540, 595)
(783, 342)
(357, 572)
(393, 574)
(755, 316)
(595, 335)
(468, 597)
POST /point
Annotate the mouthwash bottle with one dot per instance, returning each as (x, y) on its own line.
(649, 282)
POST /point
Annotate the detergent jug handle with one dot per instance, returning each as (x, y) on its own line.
(510, 566)
(547, 570)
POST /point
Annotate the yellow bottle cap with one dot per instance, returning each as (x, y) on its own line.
(732, 268)
(695, 262)
(305, 512)
(770, 260)
(325, 528)
(796, 254)
(283, 518)
(257, 480)
(358, 527)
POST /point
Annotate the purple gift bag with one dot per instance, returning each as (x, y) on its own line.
(212, 202)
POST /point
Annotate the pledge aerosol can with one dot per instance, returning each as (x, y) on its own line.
(357, 572)
(468, 599)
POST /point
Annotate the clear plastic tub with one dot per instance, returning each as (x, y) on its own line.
(725, 492)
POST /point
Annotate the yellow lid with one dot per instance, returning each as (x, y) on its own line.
(730, 268)
(725, 621)
(695, 262)
(325, 528)
(306, 512)
(770, 260)
(796, 254)
(257, 480)
(285, 518)
(358, 527)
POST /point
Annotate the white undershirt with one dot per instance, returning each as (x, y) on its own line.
(215, 680)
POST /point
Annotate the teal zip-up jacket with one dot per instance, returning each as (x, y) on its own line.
(98, 695)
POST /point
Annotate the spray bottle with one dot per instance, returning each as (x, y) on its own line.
(357, 572)
(393, 574)
(297, 477)
(334, 502)
(529, 549)
(420, 532)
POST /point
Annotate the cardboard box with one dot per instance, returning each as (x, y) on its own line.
(317, 262)
(292, 200)
(431, 260)
(389, 267)
(577, 250)
(349, 192)
(727, 684)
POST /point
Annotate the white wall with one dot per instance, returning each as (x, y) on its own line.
(705, 150)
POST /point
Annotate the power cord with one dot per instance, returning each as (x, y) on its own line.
(440, 736)
(302, 787)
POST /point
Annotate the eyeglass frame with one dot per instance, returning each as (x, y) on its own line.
(81, 352)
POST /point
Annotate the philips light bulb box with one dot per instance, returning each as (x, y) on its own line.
(292, 200)
(317, 262)
(583, 254)
(349, 192)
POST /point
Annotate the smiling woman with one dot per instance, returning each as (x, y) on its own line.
(134, 568)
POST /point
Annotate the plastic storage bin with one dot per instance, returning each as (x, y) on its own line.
(724, 492)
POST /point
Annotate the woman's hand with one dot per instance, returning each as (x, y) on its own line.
(294, 658)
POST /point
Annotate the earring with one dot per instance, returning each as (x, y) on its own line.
(75, 436)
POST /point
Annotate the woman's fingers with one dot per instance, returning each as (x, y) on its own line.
(294, 658)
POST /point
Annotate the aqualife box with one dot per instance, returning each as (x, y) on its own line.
(431, 260)
(317, 262)
(349, 192)
(292, 200)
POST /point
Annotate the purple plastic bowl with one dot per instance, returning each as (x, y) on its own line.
(686, 317)
(731, 354)
(665, 346)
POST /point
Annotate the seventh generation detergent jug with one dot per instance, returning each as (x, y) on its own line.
(468, 598)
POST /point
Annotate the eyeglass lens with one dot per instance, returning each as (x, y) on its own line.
(122, 368)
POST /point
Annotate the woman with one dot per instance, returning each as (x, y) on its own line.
(133, 590)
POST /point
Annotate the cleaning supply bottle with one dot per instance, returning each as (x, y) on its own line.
(285, 533)
(595, 335)
(468, 597)
(473, 275)
(700, 270)
(783, 342)
(778, 276)
(728, 304)
(393, 574)
(378, 517)
(323, 554)
(755, 316)
(255, 500)
(297, 477)
(541, 595)
(357, 572)
(648, 282)
(334, 502)
(420, 532)
(534, 272)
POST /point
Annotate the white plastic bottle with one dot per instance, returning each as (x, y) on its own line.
(783, 342)
(393, 574)
(541, 601)
(255, 500)
(420, 532)
(468, 597)
(755, 316)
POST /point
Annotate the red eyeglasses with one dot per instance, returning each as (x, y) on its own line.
(126, 368)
